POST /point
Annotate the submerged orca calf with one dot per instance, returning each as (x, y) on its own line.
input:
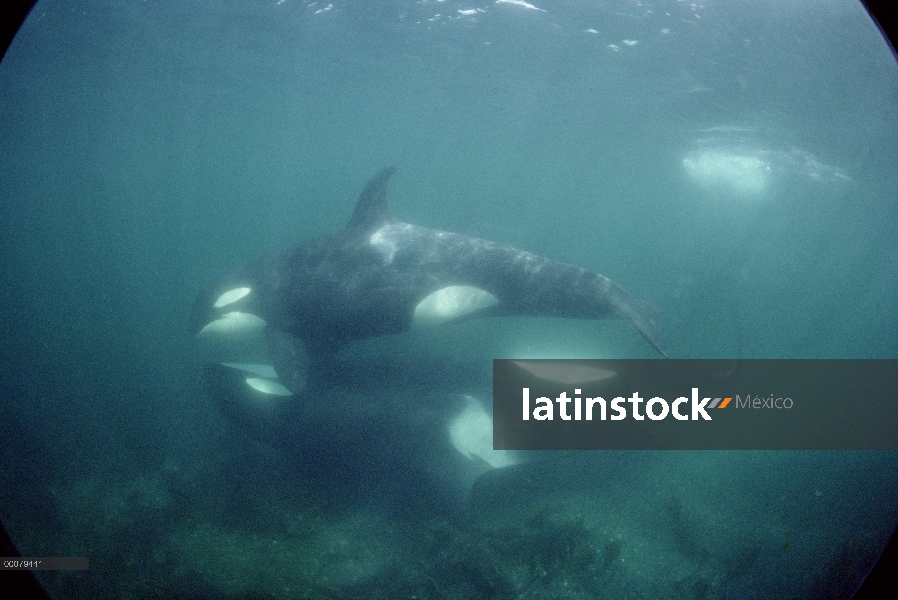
(379, 276)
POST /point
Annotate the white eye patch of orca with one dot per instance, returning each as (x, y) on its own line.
(452, 302)
(231, 296)
(471, 433)
(233, 324)
(267, 386)
(565, 373)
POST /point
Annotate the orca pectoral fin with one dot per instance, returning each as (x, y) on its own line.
(290, 359)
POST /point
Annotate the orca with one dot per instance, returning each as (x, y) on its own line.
(379, 276)
(271, 332)
(419, 425)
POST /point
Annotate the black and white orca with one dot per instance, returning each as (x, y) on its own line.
(379, 276)
(271, 332)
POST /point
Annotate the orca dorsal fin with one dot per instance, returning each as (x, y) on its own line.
(371, 209)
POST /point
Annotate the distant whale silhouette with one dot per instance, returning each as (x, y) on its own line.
(379, 276)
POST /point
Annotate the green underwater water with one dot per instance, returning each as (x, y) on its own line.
(735, 168)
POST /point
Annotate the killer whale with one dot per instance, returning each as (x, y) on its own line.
(271, 329)
(379, 276)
